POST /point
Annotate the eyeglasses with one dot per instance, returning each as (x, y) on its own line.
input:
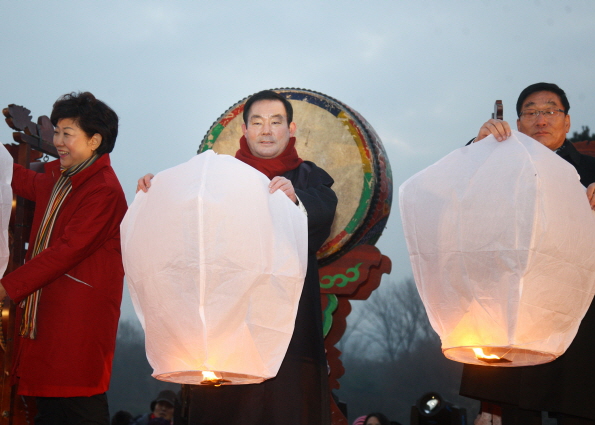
(548, 114)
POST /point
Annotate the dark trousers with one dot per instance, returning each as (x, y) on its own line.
(573, 420)
(72, 410)
(512, 415)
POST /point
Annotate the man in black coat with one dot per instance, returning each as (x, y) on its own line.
(299, 394)
(564, 387)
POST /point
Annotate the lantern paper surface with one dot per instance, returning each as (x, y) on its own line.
(215, 265)
(501, 239)
(5, 205)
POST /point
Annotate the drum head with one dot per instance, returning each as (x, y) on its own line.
(335, 138)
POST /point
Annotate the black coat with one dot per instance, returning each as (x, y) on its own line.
(299, 394)
(564, 385)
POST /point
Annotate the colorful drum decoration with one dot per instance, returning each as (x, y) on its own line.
(342, 142)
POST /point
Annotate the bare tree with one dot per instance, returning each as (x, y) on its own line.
(584, 135)
(396, 319)
(393, 356)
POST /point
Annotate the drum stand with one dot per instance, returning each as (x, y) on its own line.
(34, 141)
(351, 277)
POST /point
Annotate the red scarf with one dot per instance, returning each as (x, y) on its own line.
(287, 161)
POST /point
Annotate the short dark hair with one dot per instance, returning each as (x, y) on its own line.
(268, 95)
(381, 418)
(121, 417)
(92, 115)
(533, 88)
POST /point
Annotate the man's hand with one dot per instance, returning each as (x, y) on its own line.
(283, 184)
(144, 183)
(500, 130)
(591, 195)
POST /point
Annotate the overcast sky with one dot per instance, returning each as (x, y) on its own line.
(425, 74)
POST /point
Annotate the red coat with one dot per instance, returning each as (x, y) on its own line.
(77, 322)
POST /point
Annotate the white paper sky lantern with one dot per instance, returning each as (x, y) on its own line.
(5, 205)
(215, 265)
(501, 239)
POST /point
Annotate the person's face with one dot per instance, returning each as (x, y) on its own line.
(372, 420)
(551, 131)
(73, 144)
(267, 130)
(164, 410)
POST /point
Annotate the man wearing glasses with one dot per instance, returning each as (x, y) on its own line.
(565, 387)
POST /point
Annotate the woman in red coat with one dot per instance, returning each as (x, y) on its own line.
(69, 291)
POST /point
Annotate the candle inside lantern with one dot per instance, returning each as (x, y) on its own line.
(209, 376)
(488, 358)
(480, 354)
(213, 378)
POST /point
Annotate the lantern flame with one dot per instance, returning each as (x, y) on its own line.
(209, 376)
(480, 354)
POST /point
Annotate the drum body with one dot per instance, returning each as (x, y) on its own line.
(339, 140)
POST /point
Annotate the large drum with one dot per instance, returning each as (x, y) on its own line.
(338, 139)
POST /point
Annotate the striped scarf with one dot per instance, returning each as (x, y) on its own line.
(59, 193)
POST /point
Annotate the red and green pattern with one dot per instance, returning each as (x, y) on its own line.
(330, 303)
